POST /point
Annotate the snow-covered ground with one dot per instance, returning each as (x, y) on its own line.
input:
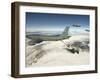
(54, 53)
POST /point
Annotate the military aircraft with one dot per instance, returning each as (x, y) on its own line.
(39, 38)
(87, 30)
(76, 25)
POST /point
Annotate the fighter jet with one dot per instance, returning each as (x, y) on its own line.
(76, 25)
(87, 30)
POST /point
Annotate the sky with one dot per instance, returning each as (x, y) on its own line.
(53, 22)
